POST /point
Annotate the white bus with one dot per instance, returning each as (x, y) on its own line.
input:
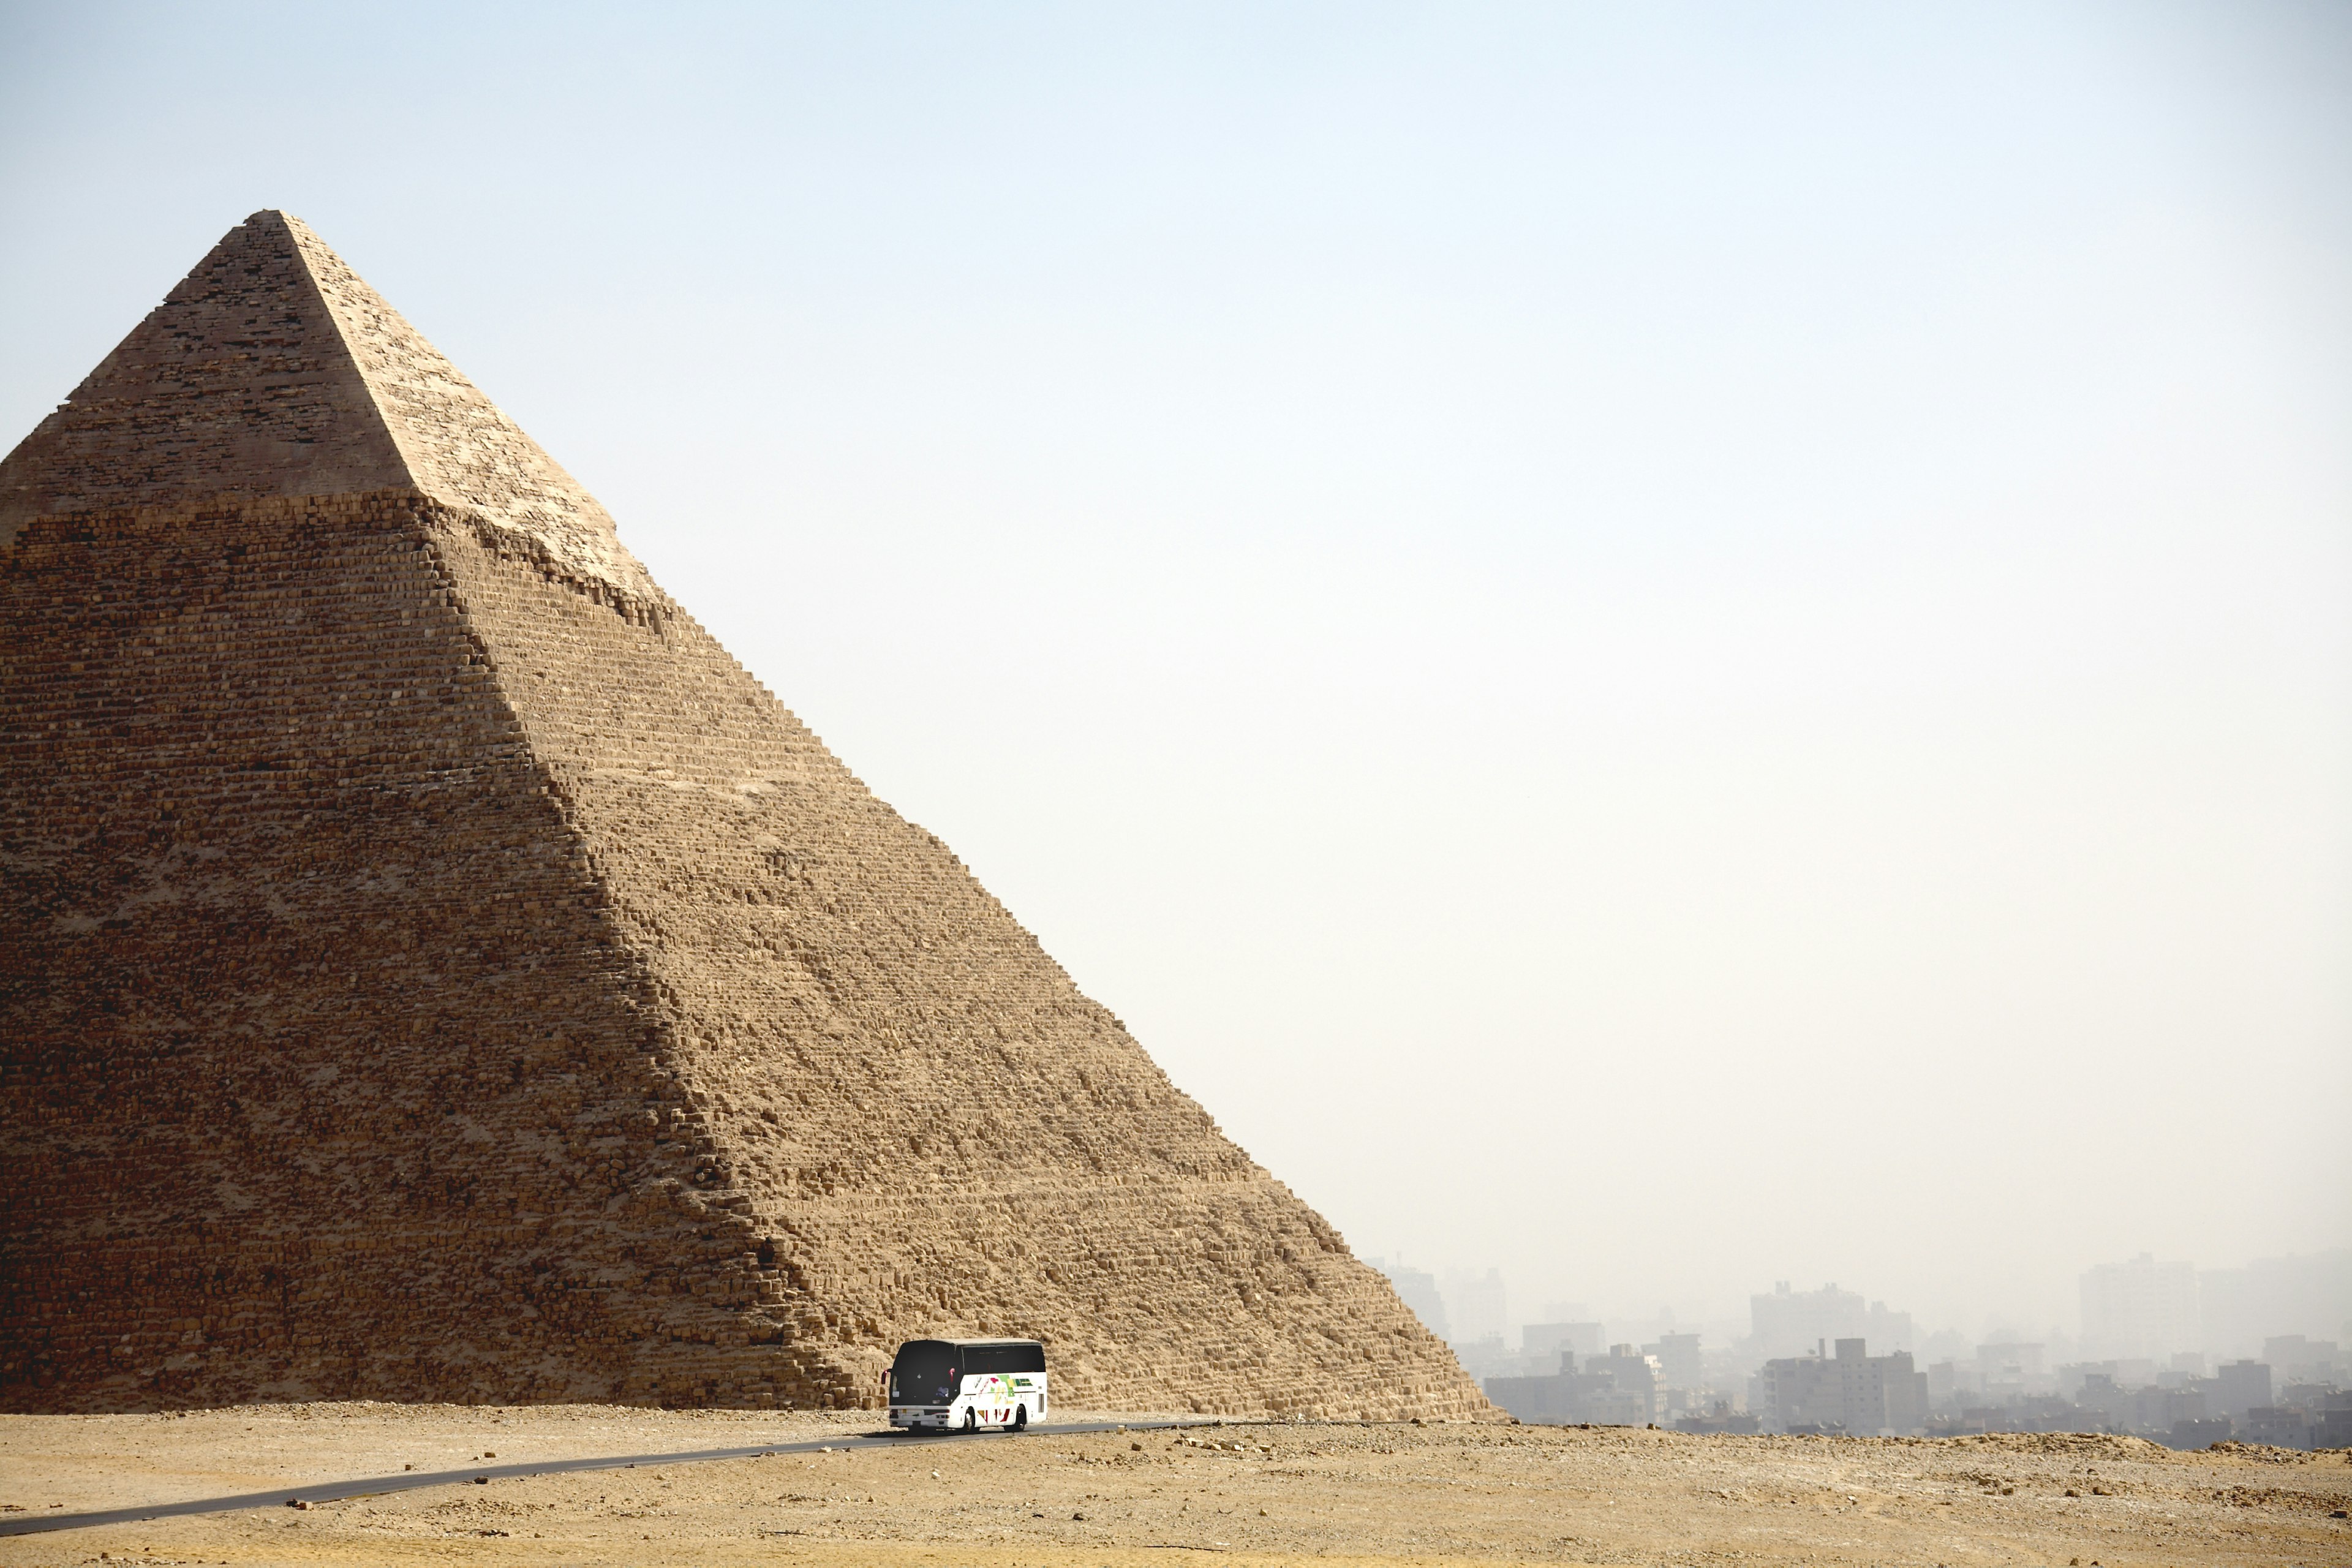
(967, 1383)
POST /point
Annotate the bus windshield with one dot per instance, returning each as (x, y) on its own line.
(924, 1373)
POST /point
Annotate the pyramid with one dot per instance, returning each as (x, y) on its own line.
(438, 971)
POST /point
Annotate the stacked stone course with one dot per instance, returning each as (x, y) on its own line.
(438, 971)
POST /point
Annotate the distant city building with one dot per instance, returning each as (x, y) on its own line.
(1891, 1329)
(2125, 1372)
(2102, 1402)
(1475, 1305)
(1549, 1399)
(1485, 1357)
(2009, 1371)
(1547, 1341)
(2142, 1308)
(2333, 1427)
(2295, 1359)
(1790, 1322)
(2309, 1294)
(2166, 1410)
(1851, 1392)
(2276, 1426)
(1620, 1389)
(1680, 1363)
(1417, 1289)
(2238, 1386)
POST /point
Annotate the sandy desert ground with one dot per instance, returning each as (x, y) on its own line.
(1235, 1493)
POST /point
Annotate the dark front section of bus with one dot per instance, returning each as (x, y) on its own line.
(924, 1381)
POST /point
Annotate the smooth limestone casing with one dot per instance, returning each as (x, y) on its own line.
(442, 973)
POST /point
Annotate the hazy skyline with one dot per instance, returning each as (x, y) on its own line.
(2237, 1309)
(1666, 647)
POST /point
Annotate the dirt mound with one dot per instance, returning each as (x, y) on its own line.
(2083, 1445)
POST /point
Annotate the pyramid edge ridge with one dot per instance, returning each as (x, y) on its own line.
(546, 514)
(304, 238)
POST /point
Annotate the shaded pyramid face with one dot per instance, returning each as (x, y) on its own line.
(438, 971)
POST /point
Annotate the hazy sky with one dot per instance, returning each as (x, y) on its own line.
(1663, 646)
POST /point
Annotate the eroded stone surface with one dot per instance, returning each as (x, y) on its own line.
(438, 971)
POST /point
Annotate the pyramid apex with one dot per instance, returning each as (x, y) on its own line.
(238, 385)
(274, 369)
(271, 220)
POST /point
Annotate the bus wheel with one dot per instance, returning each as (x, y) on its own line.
(1020, 1418)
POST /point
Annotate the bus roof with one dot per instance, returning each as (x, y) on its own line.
(1038, 1342)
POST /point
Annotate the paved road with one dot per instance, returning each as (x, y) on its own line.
(409, 1481)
